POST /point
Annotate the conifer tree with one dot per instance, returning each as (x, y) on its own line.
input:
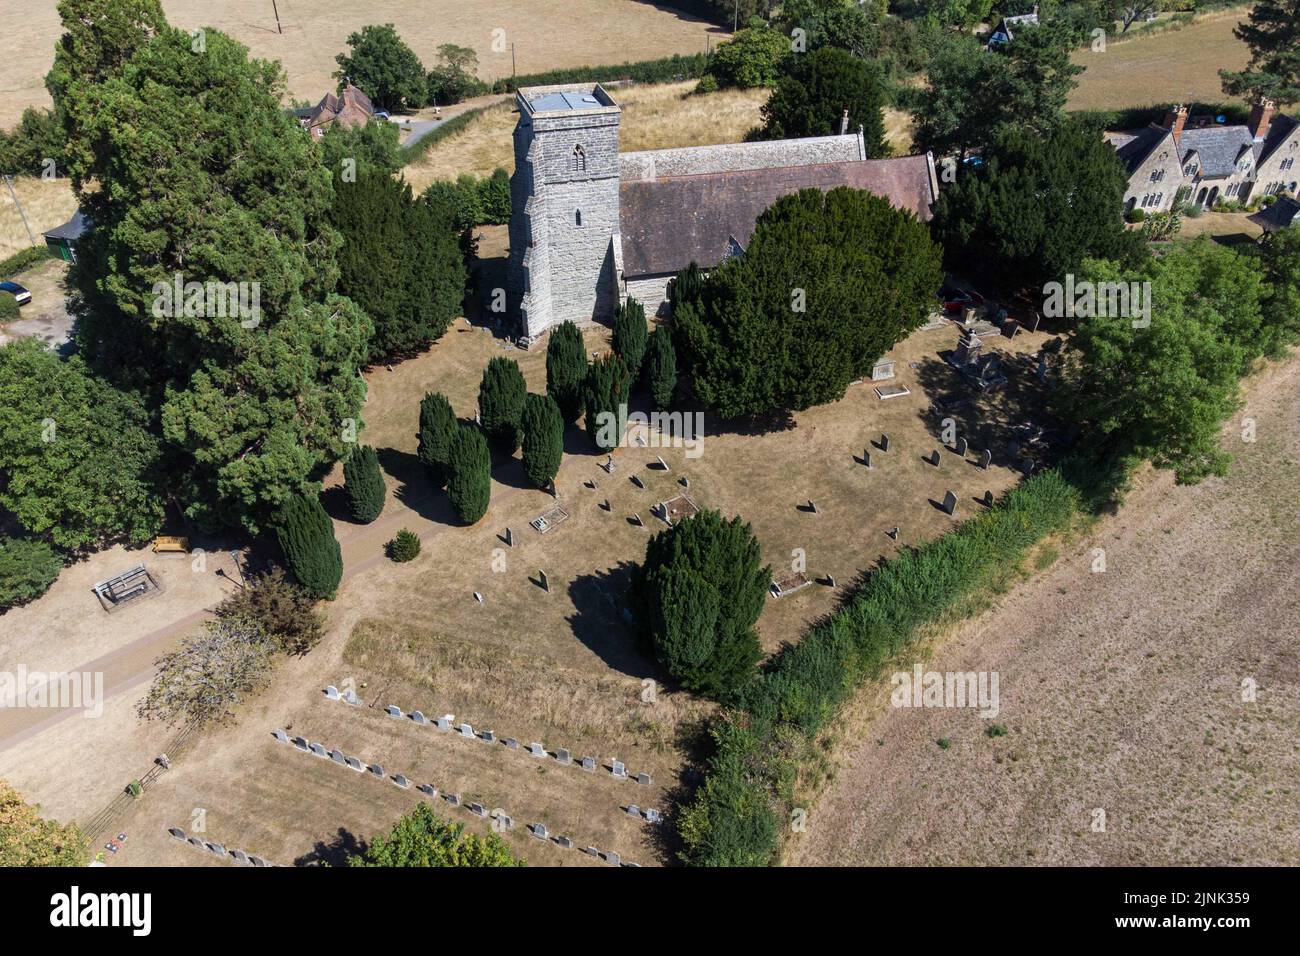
(543, 428)
(501, 402)
(630, 335)
(438, 425)
(469, 484)
(566, 369)
(661, 369)
(364, 484)
(604, 396)
(310, 549)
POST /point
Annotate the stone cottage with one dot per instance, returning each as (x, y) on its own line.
(1208, 161)
(591, 226)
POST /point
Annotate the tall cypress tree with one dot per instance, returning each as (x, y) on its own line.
(501, 402)
(630, 335)
(438, 425)
(661, 369)
(543, 428)
(307, 540)
(469, 486)
(604, 396)
(566, 369)
(364, 484)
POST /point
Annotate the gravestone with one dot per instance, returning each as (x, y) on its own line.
(355, 763)
(988, 499)
(812, 506)
(986, 459)
(662, 464)
(300, 743)
(177, 832)
(338, 756)
(350, 697)
(866, 457)
(636, 480)
(427, 789)
(332, 692)
(830, 580)
(1027, 466)
(961, 446)
(543, 580)
(882, 371)
(239, 856)
(652, 816)
(632, 810)
(512, 744)
(393, 710)
(636, 520)
(589, 764)
(419, 718)
(935, 458)
(617, 769)
(506, 821)
(216, 848)
(591, 851)
(452, 798)
(401, 780)
(478, 596)
(478, 809)
(564, 843)
(488, 736)
(643, 779)
(377, 770)
(562, 756)
(606, 506)
(609, 464)
(893, 533)
(884, 441)
(281, 736)
(257, 861)
(538, 830)
(613, 859)
(465, 730)
(684, 481)
(949, 502)
(537, 750)
(510, 538)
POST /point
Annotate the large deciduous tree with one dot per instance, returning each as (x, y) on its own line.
(26, 839)
(383, 67)
(829, 283)
(697, 597)
(422, 838)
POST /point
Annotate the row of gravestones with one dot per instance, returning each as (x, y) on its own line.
(501, 819)
(562, 756)
(217, 849)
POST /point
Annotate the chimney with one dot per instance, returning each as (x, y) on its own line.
(1175, 120)
(1261, 114)
(844, 123)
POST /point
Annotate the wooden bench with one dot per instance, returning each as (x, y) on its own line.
(167, 543)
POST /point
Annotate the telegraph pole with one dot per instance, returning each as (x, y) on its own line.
(9, 181)
(277, 17)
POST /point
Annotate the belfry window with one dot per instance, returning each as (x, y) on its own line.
(579, 162)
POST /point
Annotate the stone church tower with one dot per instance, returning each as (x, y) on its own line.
(565, 206)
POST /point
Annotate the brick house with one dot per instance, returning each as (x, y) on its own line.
(349, 108)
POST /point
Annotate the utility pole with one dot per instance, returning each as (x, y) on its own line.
(512, 62)
(735, 16)
(9, 181)
(277, 17)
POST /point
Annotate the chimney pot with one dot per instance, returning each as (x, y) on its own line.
(1176, 120)
(844, 123)
(1261, 115)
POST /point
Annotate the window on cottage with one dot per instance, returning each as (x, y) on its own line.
(579, 160)
(1288, 163)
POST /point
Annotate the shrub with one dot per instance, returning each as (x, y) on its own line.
(307, 540)
(24, 259)
(666, 70)
(27, 569)
(363, 483)
(566, 369)
(469, 485)
(9, 307)
(603, 397)
(404, 546)
(501, 395)
(697, 596)
(706, 85)
(1136, 215)
(687, 285)
(630, 335)
(134, 789)
(661, 369)
(752, 57)
(438, 425)
(284, 612)
(543, 428)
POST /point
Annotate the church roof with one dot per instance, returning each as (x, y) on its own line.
(669, 221)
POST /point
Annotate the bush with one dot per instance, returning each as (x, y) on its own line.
(363, 483)
(438, 426)
(1136, 215)
(706, 85)
(24, 259)
(630, 335)
(750, 58)
(603, 397)
(661, 369)
(469, 485)
(404, 546)
(666, 70)
(307, 540)
(27, 569)
(284, 612)
(9, 307)
(501, 395)
(566, 369)
(543, 428)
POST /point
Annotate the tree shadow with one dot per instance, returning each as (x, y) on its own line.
(415, 490)
(599, 623)
(335, 852)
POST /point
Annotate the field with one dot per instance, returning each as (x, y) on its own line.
(1121, 691)
(47, 203)
(559, 666)
(1174, 65)
(541, 34)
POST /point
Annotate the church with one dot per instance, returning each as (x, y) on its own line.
(591, 226)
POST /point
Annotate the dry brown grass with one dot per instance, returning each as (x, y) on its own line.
(47, 203)
(543, 34)
(1171, 66)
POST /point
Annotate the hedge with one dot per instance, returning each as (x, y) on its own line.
(692, 66)
(24, 259)
(733, 819)
(409, 154)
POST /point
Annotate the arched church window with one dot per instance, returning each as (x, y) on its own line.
(579, 162)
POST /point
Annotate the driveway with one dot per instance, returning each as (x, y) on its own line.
(46, 316)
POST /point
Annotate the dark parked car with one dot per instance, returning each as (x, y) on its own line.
(21, 295)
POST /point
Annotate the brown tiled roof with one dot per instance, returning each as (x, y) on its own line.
(669, 222)
(351, 108)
